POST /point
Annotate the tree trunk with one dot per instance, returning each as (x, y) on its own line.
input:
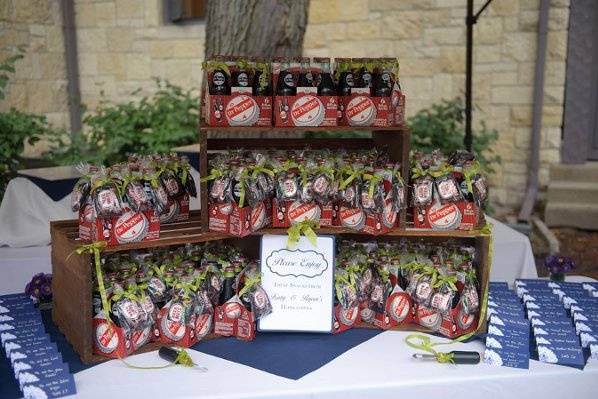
(265, 28)
(256, 28)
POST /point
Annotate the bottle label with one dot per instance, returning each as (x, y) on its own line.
(218, 78)
(288, 80)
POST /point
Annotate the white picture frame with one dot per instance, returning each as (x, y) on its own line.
(299, 283)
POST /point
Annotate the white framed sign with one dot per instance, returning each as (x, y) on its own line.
(299, 283)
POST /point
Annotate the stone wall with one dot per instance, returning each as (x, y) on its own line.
(429, 38)
(39, 84)
(123, 44)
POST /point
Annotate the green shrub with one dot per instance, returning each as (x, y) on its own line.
(16, 128)
(442, 126)
(154, 124)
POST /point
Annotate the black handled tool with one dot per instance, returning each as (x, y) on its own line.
(457, 357)
(171, 355)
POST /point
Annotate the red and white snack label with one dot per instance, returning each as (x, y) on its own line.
(299, 211)
(242, 110)
(353, 218)
(465, 320)
(348, 316)
(428, 318)
(171, 329)
(441, 301)
(106, 337)
(360, 111)
(399, 307)
(307, 110)
(203, 325)
(141, 337)
(131, 227)
(444, 217)
(232, 310)
(258, 216)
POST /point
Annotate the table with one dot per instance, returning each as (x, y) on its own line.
(379, 368)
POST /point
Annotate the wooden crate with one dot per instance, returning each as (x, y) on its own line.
(72, 273)
(72, 278)
(395, 140)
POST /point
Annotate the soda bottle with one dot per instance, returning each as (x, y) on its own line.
(285, 85)
(345, 79)
(220, 83)
(382, 85)
(228, 285)
(326, 85)
(261, 78)
(240, 76)
(306, 79)
(365, 73)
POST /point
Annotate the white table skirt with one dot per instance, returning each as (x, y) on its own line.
(379, 368)
(18, 265)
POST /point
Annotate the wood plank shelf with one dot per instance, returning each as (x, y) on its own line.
(253, 129)
(190, 232)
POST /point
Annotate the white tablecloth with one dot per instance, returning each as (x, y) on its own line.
(513, 257)
(18, 265)
(379, 368)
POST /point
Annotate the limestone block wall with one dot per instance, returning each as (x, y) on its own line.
(39, 84)
(429, 38)
(124, 44)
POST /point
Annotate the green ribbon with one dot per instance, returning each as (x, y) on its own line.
(214, 174)
(306, 228)
(426, 344)
(445, 169)
(249, 283)
(213, 65)
(374, 180)
(94, 249)
(129, 293)
(446, 280)
(256, 170)
(469, 172)
(417, 172)
(353, 174)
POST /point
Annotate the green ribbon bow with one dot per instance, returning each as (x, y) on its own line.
(469, 172)
(353, 174)
(446, 280)
(306, 228)
(445, 169)
(417, 172)
(256, 170)
(374, 180)
(94, 249)
(214, 174)
(426, 344)
(250, 281)
(130, 293)
(213, 65)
